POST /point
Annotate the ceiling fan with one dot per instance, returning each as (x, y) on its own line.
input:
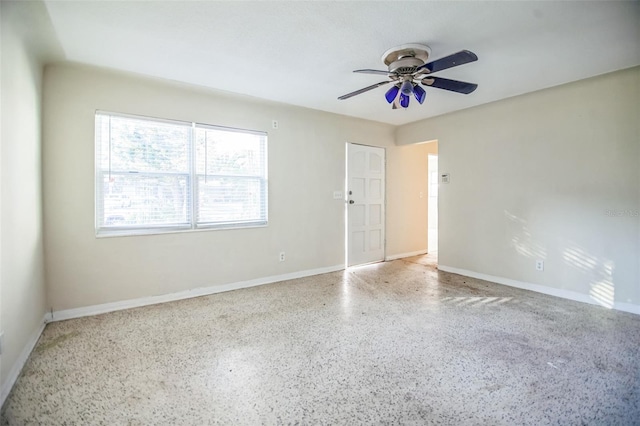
(408, 66)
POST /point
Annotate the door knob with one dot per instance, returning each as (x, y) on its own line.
(351, 201)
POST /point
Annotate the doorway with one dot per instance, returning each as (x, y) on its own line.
(365, 211)
(432, 209)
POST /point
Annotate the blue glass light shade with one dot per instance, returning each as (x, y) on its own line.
(406, 88)
(419, 93)
(404, 100)
(392, 94)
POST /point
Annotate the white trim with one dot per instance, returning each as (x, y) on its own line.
(187, 294)
(558, 292)
(402, 255)
(14, 373)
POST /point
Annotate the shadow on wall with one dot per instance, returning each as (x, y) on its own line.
(598, 272)
(521, 239)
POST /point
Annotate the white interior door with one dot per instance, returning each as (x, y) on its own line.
(365, 204)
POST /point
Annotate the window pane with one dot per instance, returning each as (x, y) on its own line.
(230, 199)
(144, 145)
(224, 152)
(137, 200)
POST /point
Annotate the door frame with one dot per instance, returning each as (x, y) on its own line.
(429, 199)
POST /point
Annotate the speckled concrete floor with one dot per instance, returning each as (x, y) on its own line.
(392, 343)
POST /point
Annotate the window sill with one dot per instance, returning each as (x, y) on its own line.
(160, 231)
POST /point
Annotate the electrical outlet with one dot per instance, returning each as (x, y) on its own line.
(281, 256)
(274, 124)
(1, 342)
(539, 265)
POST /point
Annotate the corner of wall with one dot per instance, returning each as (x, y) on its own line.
(21, 222)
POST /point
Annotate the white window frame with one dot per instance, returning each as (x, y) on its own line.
(192, 181)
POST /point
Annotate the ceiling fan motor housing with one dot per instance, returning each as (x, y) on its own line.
(406, 58)
(405, 65)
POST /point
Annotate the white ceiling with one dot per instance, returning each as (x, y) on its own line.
(303, 53)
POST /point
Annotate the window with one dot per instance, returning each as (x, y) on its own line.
(157, 175)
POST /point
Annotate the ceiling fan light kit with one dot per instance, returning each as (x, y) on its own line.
(407, 67)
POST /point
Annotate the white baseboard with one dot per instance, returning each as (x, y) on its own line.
(187, 294)
(19, 363)
(565, 294)
(402, 255)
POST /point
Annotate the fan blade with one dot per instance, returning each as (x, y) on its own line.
(460, 58)
(366, 89)
(379, 72)
(451, 85)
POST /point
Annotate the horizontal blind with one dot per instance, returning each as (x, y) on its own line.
(155, 175)
(231, 181)
(143, 173)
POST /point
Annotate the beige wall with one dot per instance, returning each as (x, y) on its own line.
(409, 222)
(22, 287)
(306, 164)
(532, 178)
